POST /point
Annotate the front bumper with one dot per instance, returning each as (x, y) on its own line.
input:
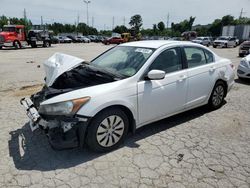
(63, 132)
(244, 51)
(243, 72)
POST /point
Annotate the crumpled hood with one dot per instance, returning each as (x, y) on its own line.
(57, 64)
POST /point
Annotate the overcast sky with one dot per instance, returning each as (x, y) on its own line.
(66, 11)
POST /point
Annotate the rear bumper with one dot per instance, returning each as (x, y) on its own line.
(243, 72)
(244, 51)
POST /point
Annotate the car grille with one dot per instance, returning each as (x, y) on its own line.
(245, 48)
(217, 43)
(1, 38)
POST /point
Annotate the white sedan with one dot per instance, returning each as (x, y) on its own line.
(127, 87)
(244, 68)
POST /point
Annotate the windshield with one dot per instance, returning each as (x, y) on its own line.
(123, 60)
(223, 38)
(9, 29)
(199, 38)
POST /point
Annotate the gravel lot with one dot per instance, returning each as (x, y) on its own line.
(198, 148)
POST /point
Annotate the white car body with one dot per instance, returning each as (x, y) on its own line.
(244, 68)
(194, 88)
(202, 40)
(146, 100)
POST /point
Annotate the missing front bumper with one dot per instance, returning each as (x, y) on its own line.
(63, 132)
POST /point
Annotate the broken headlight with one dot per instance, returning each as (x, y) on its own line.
(63, 108)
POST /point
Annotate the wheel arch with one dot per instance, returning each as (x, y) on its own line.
(127, 111)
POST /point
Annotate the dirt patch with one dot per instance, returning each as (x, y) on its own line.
(27, 90)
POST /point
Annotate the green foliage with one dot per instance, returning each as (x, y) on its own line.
(15, 21)
(161, 26)
(185, 25)
(3, 21)
(136, 22)
(120, 29)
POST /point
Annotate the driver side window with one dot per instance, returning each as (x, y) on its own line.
(168, 61)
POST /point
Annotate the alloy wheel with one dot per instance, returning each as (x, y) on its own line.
(218, 95)
(110, 131)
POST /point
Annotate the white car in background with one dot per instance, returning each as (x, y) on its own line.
(202, 40)
(225, 42)
(125, 88)
(244, 68)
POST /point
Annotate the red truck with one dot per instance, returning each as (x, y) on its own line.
(15, 36)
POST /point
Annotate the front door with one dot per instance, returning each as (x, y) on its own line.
(158, 98)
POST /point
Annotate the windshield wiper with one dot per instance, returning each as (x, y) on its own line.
(104, 71)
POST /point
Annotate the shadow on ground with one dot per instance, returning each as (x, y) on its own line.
(242, 81)
(31, 151)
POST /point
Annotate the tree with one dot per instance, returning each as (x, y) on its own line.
(227, 20)
(3, 21)
(136, 22)
(161, 26)
(120, 29)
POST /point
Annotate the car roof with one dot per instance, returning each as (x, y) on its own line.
(155, 43)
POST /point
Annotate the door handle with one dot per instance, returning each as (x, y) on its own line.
(182, 78)
(212, 69)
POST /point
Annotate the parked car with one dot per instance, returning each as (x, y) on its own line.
(123, 89)
(243, 70)
(113, 40)
(225, 42)
(85, 39)
(63, 39)
(74, 39)
(244, 48)
(202, 40)
(54, 40)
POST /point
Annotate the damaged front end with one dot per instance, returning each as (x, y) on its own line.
(64, 73)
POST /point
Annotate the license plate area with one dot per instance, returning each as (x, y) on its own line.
(31, 112)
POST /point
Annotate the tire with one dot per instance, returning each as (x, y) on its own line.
(1, 47)
(33, 45)
(217, 96)
(101, 135)
(214, 46)
(45, 44)
(17, 45)
(241, 55)
(226, 46)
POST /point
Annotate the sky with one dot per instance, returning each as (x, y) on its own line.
(101, 12)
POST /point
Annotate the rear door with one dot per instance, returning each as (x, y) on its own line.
(201, 74)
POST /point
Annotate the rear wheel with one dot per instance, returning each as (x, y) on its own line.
(46, 44)
(217, 96)
(241, 55)
(107, 130)
(1, 47)
(214, 46)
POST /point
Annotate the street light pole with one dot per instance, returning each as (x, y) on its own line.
(87, 3)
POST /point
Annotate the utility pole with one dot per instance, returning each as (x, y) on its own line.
(241, 13)
(167, 20)
(124, 21)
(93, 20)
(87, 3)
(113, 22)
(24, 15)
(42, 23)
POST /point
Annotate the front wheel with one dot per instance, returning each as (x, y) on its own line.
(107, 130)
(217, 96)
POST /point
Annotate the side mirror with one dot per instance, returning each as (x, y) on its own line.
(156, 75)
